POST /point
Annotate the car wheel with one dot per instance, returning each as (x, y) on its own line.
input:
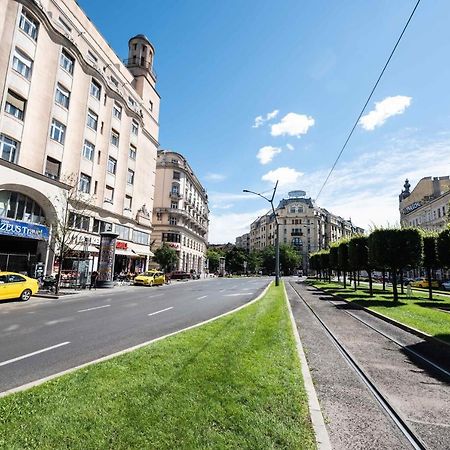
(420, 285)
(25, 295)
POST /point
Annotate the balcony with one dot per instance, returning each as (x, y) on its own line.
(296, 233)
(175, 195)
(141, 62)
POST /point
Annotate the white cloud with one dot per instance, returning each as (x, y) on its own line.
(267, 153)
(214, 177)
(284, 175)
(225, 228)
(292, 124)
(290, 147)
(261, 119)
(390, 106)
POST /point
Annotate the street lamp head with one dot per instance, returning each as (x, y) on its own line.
(245, 190)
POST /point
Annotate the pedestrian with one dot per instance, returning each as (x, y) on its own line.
(94, 276)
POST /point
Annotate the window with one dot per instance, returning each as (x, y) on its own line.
(171, 237)
(117, 111)
(62, 96)
(15, 105)
(85, 183)
(134, 127)
(78, 221)
(88, 150)
(174, 205)
(20, 207)
(91, 56)
(8, 148)
(172, 220)
(109, 194)
(132, 152)
(22, 64)
(140, 237)
(28, 24)
(57, 131)
(67, 61)
(130, 176)
(176, 175)
(131, 101)
(115, 138)
(64, 24)
(150, 104)
(52, 168)
(112, 165)
(92, 119)
(122, 231)
(95, 89)
(127, 203)
(100, 226)
(158, 217)
(114, 81)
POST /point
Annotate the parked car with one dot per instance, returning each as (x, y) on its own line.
(15, 285)
(423, 283)
(446, 285)
(180, 275)
(150, 278)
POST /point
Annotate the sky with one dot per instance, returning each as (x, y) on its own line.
(255, 91)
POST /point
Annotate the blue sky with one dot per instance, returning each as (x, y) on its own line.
(305, 69)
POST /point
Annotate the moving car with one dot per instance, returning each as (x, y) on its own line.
(423, 283)
(446, 285)
(150, 278)
(15, 285)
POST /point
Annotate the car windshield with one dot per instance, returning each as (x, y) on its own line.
(149, 274)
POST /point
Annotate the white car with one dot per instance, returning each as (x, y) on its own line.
(446, 285)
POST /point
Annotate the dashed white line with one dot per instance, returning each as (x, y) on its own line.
(9, 361)
(160, 311)
(92, 309)
(203, 296)
(240, 293)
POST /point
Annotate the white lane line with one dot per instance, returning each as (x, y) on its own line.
(203, 296)
(4, 363)
(92, 309)
(157, 295)
(11, 328)
(162, 310)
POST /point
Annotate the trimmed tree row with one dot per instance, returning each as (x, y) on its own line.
(392, 250)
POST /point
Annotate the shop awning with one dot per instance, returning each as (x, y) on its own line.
(82, 248)
(125, 252)
(144, 253)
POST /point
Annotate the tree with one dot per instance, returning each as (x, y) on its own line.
(213, 257)
(443, 247)
(358, 255)
(430, 257)
(235, 258)
(396, 249)
(324, 261)
(66, 227)
(268, 259)
(343, 259)
(166, 257)
(314, 263)
(254, 261)
(334, 263)
(290, 259)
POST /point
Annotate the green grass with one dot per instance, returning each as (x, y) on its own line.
(233, 383)
(428, 316)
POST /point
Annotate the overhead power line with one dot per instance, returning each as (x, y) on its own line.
(368, 99)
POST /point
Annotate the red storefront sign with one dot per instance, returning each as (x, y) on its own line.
(122, 245)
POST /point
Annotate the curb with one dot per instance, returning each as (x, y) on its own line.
(128, 350)
(394, 322)
(318, 422)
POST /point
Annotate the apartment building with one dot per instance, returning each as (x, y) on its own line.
(74, 118)
(180, 213)
(243, 241)
(302, 224)
(427, 205)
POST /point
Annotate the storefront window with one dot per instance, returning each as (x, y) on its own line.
(140, 237)
(14, 205)
(123, 232)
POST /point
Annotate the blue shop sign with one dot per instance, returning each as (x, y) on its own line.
(28, 230)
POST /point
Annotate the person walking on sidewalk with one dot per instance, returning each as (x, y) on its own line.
(94, 276)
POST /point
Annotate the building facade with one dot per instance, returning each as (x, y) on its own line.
(302, 225)
(427, 205)
(243, 241)
(75, 123)
(180, 213)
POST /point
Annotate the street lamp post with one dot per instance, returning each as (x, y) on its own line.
(277, 235)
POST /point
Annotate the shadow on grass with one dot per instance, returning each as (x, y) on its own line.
(432, 304)
(385, 303)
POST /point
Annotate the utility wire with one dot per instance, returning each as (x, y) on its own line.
(368, 99)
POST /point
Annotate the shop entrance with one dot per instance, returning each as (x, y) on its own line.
(18, 255)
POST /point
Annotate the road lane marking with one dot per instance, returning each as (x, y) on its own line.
(203, 296)
(28, 355)
(11, 328)
(240, 293)
(157, 295)
(54, 322)
(160, 311)
(92, 309)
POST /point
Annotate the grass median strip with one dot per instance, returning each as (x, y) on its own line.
(233, 383)
(429, 316)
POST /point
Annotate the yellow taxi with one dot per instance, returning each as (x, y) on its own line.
(423, 283)
(15, 285)
(150, 278)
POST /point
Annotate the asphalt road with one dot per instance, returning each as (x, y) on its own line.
(46, 336)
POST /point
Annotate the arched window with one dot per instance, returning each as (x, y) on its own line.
(17, 206)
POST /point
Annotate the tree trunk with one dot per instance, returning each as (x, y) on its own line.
(430, 288)
(354, 281)
(401, 281)
(339, 275)
(359, 276)
(394, 284)
(345, 278)
(383, 274)
(370, 283)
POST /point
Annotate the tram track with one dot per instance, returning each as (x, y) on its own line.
(398, 420)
